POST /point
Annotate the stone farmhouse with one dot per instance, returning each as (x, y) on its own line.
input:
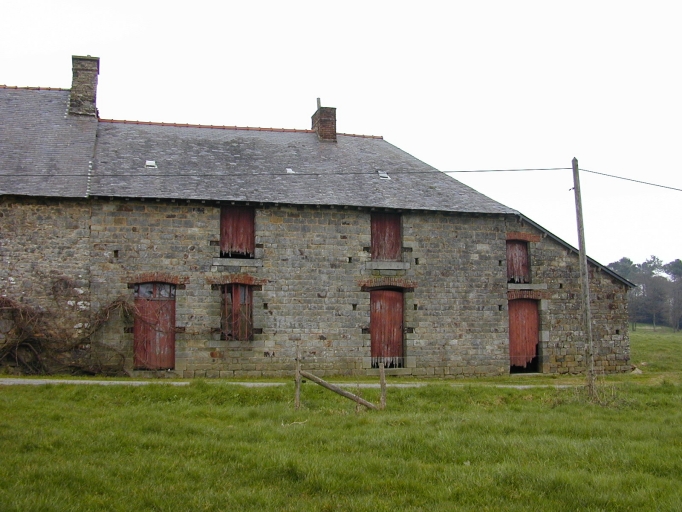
(237, 245)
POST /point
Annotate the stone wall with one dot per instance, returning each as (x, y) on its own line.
(555, 281)
(312, 273)
(45, 243)
(44, 282)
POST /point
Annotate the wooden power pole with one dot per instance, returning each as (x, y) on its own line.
(584, 283)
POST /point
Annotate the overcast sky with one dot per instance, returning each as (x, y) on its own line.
(460, 85)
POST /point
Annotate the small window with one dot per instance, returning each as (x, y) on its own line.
(386, 237)
(518, 262)
(237, 317)
(154, 290)
(237, 232)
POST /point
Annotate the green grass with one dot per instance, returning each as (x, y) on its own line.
(214, 446)
(656, 351)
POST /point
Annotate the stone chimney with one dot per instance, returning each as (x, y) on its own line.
(84, 86)
(324, 122)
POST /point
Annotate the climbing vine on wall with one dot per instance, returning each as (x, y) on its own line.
(58, 337)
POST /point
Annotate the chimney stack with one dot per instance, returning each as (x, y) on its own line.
(84, 86)
(324, 123)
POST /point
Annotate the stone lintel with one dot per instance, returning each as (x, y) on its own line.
(522, 286)
(236, 262)
(387, 265)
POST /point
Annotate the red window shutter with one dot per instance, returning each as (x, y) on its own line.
(238, 312)
(243, 318)
(518, 263)
(386, 237)
(386, 327)
(237, 231)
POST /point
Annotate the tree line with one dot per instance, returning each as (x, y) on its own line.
(657, 298)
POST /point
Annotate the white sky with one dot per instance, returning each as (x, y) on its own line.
(460, 85)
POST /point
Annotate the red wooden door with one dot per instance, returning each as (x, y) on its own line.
(524, 323)
(154, 327)
(386, 327)
(386, 237)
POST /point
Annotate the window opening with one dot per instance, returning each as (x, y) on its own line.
(237, 318)
(518, 262)
(237, 232)
(386, 236)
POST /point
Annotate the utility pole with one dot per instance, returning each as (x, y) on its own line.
(584, 283)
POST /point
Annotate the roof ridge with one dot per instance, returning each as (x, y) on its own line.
(220, 127)
(209, 126)
(362, 136)
(2, 86)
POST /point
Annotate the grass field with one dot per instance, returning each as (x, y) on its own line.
(471, 446)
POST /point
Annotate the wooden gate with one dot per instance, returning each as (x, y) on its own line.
(154, 327)
(524, 324)
(386, 328)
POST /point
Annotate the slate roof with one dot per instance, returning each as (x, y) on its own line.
(46, 152)
(247, 165)
(43, 151)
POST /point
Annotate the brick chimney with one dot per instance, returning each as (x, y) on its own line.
(84, 86)
(324, 123)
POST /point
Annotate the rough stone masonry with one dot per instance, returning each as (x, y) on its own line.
(314, 268)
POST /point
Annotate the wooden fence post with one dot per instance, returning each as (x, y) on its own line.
(297, 397)
(338, 390)
(382, 382)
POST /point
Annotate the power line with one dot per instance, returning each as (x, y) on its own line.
(318, 174)
(569, 168)
(96, 174)
(630, 179)
(297, 173)
(514, 170)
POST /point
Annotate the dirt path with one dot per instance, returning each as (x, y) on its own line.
(39, 382)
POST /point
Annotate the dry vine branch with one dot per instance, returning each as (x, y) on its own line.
(43, 341)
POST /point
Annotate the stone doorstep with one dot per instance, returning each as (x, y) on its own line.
(374, 372)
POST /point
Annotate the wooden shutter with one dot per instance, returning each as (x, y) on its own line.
(386, 237)
(238, 312)
(237, 231)
(518, 263)
(386, 327)
(154, 326)
(523, 331)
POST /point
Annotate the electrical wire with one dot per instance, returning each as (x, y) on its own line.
(317, 174)
(630, 179)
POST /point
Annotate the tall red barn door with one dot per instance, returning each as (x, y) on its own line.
(154, 327)
(386, 327)
(524, 325)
